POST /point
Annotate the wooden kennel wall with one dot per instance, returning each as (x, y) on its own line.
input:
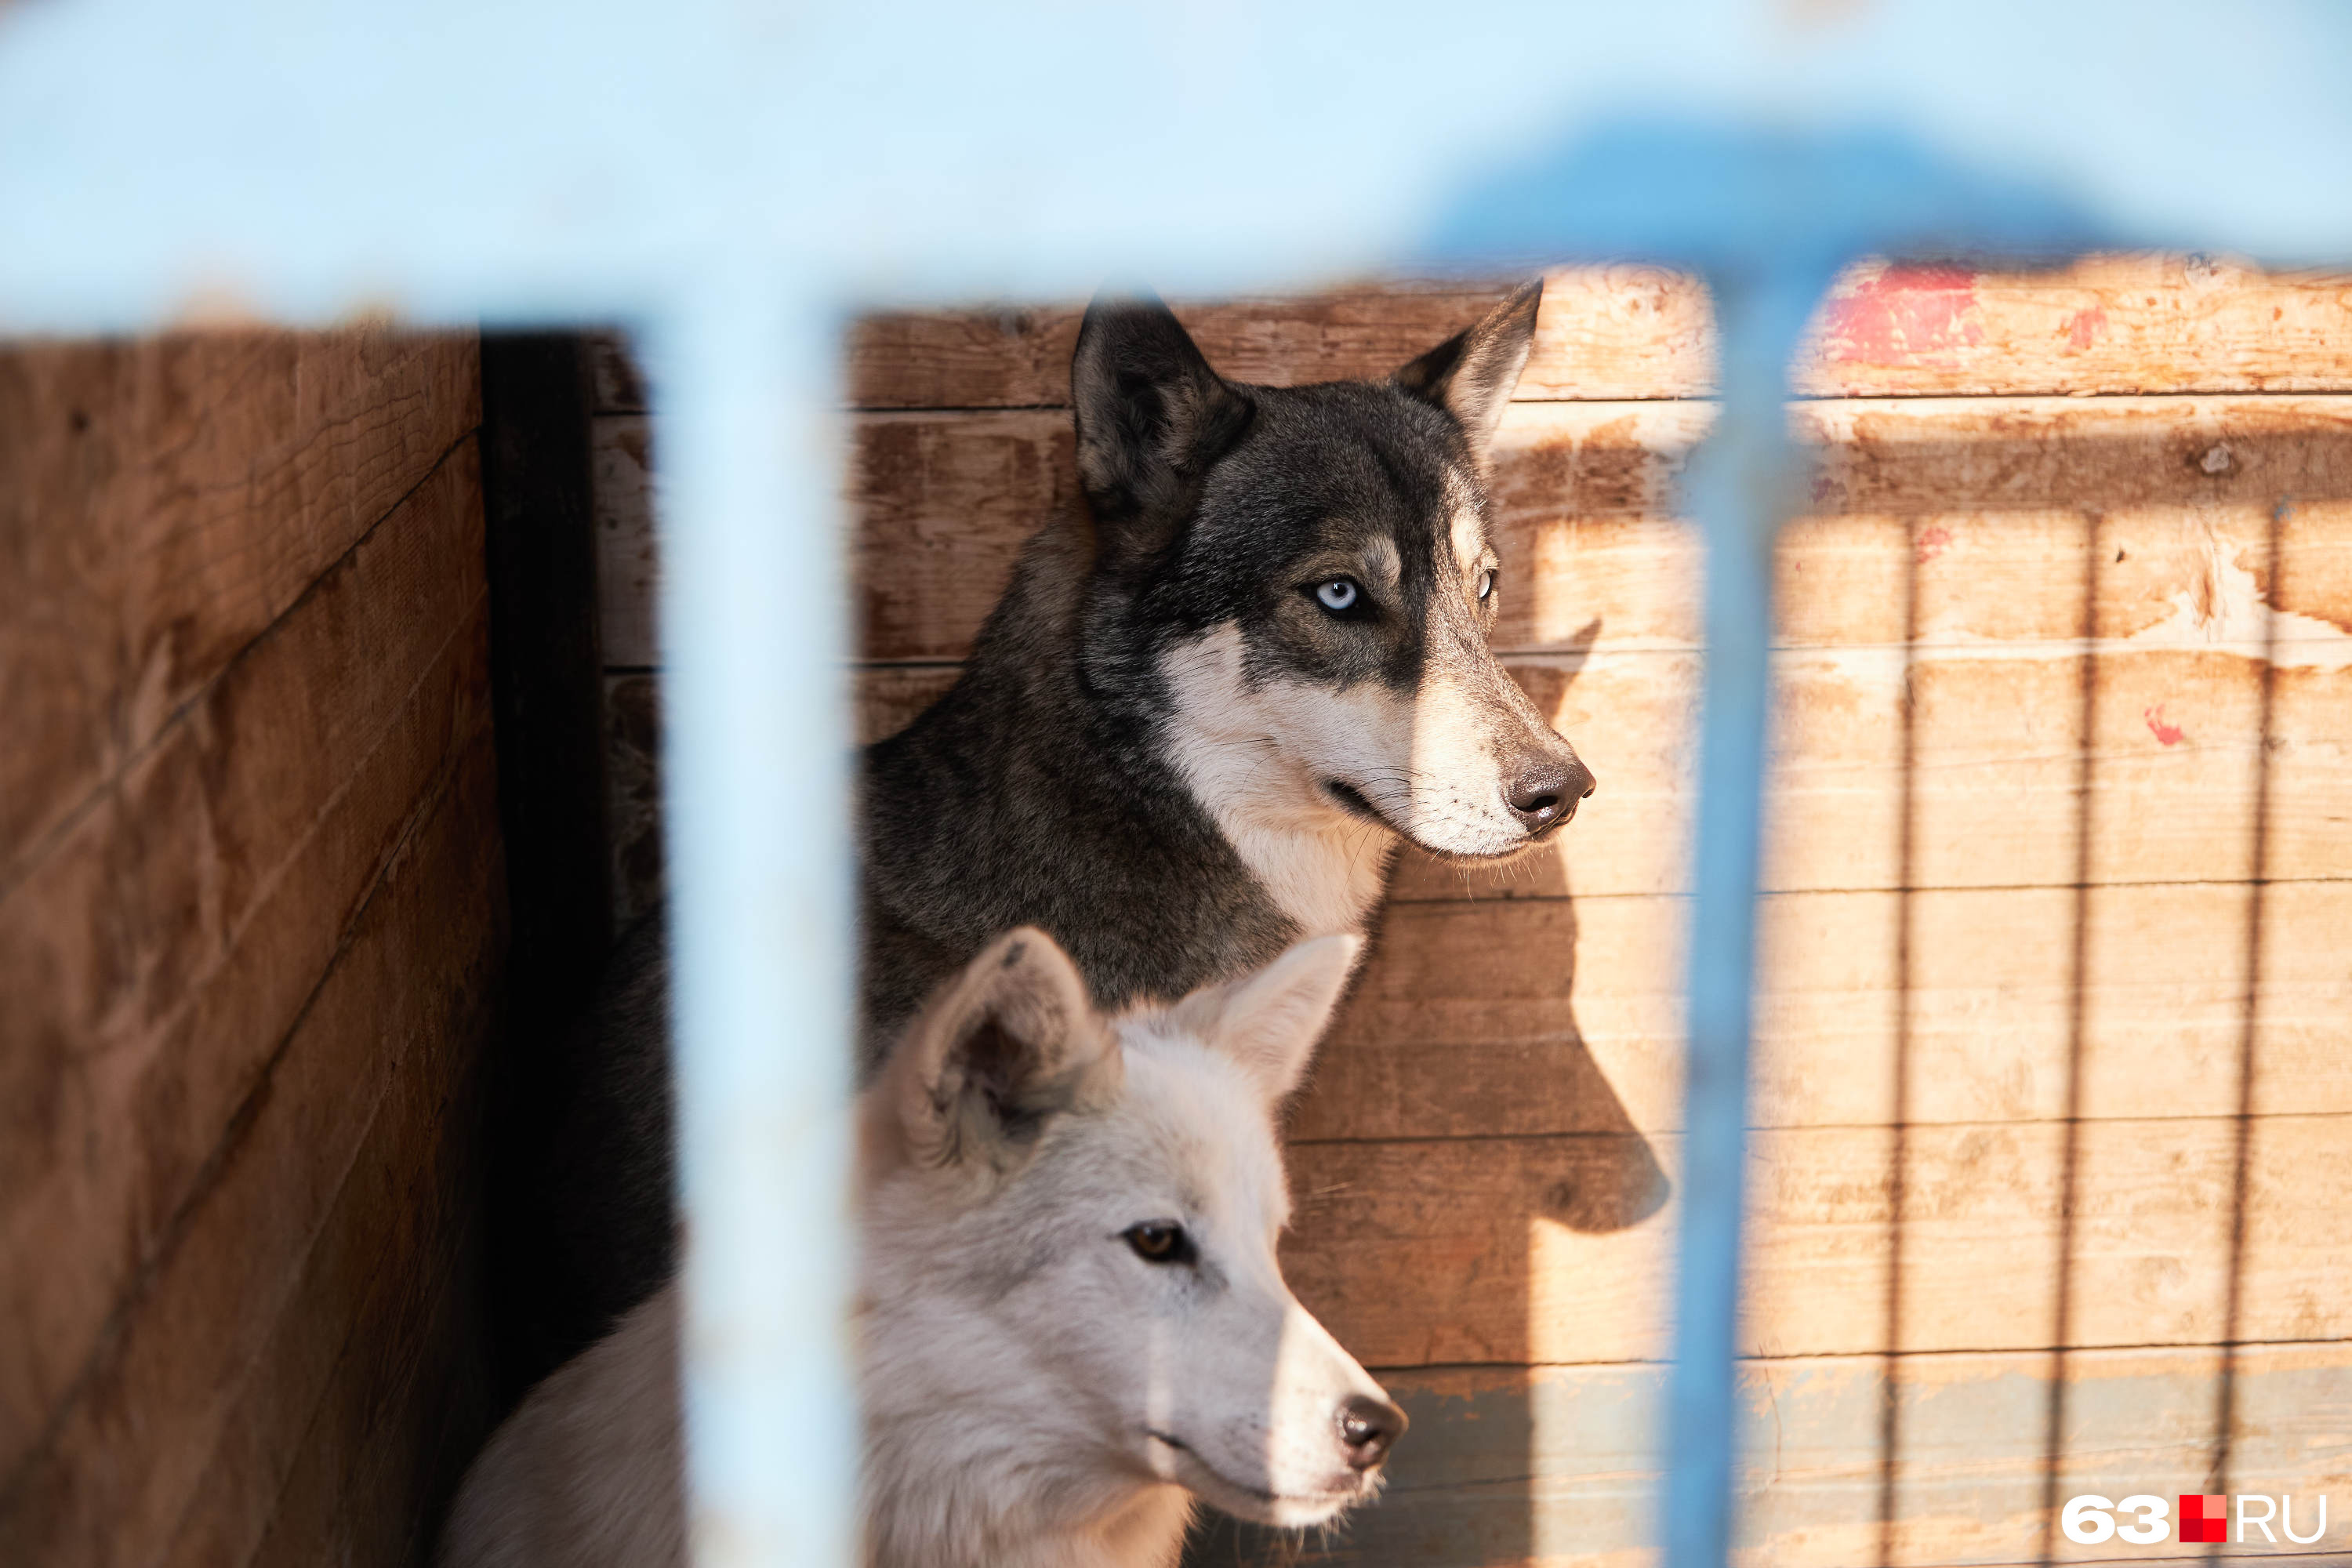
(2054, 1104)
(2024, 1113)
(252, 927)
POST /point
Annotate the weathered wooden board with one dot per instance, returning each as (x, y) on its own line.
(1995, 789)
(155, 959)
(2105, 324)
(387, 1295)
(1536, 1017)
(161, 502)
(1469, 1023)
(1559, 1466)
(1481, 1251)
(2174, 760)
(943, 506)
(2112, 324)
(365, 1404)
(2175, 763)
(378, 1469)
(1611, 331)
(1987, 499)
(242, 1316)
(1994, 507)
(1486, 1159)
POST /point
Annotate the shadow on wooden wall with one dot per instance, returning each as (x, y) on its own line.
(2051, 658)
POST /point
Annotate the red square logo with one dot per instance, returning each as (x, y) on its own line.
(2204, 1519)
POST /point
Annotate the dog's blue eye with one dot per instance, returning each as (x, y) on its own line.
(1339, 593)
(1159, 1241)
(1485, 583)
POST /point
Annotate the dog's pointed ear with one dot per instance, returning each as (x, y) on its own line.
(1270, 1021)
(1471, 373)
(1008, 1045)
(1151, 417)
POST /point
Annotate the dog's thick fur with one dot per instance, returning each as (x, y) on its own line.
(1206, 712)
(1070, 1314)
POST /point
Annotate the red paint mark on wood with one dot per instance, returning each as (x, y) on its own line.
(1905, 314)
(2084, 327)
(2165, 734)
(1933, 542)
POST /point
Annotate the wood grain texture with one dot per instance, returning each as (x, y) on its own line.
(1478, 1251)
(199, 1401)
(158, 957)
(1559, 1467)
(2174, 749)
(372, 1371)
(1987, 498)
(1488, 1159)
(1551, 1016)
(161, 502)
(211, 894)
(359, 1417)
(2105, 324)
(1989, 505)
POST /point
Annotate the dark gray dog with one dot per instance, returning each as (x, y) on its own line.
(1194, 731)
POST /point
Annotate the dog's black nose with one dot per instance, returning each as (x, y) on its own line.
(1368, 1428)
(1546, 792)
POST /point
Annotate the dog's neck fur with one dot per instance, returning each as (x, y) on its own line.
(981, 1499)
(1323, 868)
(1050, 787)
(587, 1475)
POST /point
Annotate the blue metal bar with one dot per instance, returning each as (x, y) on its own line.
(314, 156)
(1740, 492)
(754, 633)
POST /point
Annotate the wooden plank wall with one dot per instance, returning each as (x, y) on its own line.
(251, 920)
(2071, 611)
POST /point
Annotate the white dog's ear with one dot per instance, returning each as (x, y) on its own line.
(1471, 373)
(1008, 1045)
(1270, 1022)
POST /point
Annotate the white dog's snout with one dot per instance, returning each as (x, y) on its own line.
(1329, 1408)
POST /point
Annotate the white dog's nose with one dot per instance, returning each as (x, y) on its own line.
(1368, 1428)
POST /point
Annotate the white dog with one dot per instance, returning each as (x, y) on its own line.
(1071, 1317)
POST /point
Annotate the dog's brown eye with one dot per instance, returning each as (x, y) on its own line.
(1159, 1241)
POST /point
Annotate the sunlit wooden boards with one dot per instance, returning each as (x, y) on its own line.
(1478, 1019)
(2005, 532)
(2106, 324)
(1492, 1250)
(249, 929)
(1558, 1466)
(2088, 536)
(1583, 499)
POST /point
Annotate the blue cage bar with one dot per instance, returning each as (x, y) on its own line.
(751, 173)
